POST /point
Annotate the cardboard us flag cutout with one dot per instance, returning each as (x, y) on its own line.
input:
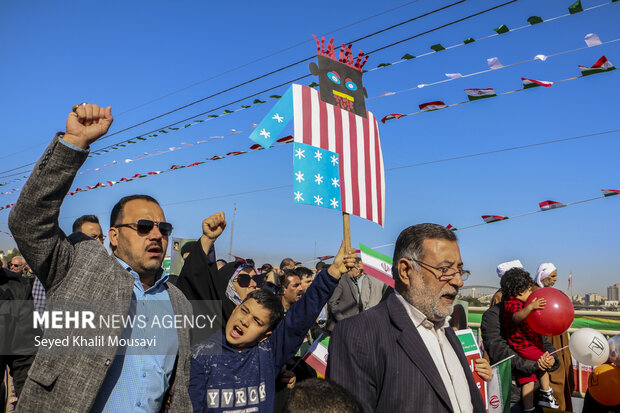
(335, 120)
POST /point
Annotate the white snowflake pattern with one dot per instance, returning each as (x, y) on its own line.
(334, 202)
(299, 176)
(299, 153)
(318, 179)
(264, 133)
(318, 155)
(334, 160)
(335, 182)
(298, 196)
(277, 117)
(318, 200)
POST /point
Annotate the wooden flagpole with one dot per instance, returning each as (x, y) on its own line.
(346, 231)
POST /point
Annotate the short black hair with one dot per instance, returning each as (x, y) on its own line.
(410, 244)
(322, 396)
(271, 302)
(266, 268)
(319, 266)
(303, 272)
(250, 261)
(286, 262)
(515, 281)
(77, 225)
(117, 210)
(284, 280)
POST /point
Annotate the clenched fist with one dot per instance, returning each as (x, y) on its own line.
(343, 262)
(212, 228)
(87, 124)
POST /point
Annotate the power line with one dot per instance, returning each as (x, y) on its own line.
(283, 68)
(285, 83)
(267, 56)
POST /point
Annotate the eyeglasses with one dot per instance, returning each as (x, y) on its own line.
(145, 226)
(447, 273)
(14, 265)
(244, 280)
(100, 237)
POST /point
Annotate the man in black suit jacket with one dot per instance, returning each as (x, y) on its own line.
(401, 356)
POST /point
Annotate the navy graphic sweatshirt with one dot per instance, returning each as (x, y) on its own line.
(244, 382)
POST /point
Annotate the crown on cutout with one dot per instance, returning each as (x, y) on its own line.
(346, 54)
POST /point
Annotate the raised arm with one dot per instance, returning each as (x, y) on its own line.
(34, 218)
(198, 279)
(289, 334)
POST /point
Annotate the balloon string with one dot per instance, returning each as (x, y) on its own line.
(558, 350)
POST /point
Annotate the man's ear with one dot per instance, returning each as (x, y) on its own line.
(113, 236)
(314, 69)
(265, 337)
(403, 271)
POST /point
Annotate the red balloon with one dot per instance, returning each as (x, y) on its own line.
(556, 317)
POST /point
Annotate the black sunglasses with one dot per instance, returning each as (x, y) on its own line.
(244, 280)
(144, 226)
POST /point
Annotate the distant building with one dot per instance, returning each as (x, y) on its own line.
(611, 303)
(577, 299)
(594, 298)
(613, 292)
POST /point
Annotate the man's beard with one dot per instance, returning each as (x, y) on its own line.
(431, 307)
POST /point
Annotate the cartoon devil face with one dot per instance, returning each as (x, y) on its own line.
(340, 85)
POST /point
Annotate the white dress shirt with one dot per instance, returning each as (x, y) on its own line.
(443, 355)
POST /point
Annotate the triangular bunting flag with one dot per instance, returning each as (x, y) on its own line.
(601, 65)
(610, 192)
(502, 29)
(436, 105)
(493, 218)
(475, 94)
(438, 47)
(534, 20)
(575, 7)
(592, 40)
(391, 116)
(548, 205)
(528, 83)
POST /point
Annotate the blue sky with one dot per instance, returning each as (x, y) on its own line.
(125, 54)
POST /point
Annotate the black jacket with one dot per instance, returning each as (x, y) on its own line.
(13, 287)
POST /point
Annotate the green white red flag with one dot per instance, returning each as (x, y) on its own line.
(436, 105)
(317, 354)
(476, 94)
(391, 116)
(377, 265)
(493, 218)
(499, 387)
(547, 205)
(451, 227)
(528, 83)
(610, 192)
(601, 65)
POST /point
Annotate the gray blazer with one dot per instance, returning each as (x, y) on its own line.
(380, 357)
(76, 268)
(344, 301)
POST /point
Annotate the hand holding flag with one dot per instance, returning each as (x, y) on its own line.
(343, 262)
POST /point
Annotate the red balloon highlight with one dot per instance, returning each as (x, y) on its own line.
(556, 317)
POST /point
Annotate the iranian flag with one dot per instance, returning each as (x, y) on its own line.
(316, 356)
(391, 116)
(601, 65)
(528, 83)
(475, 94)
(610, 192)
(499, 387)
(451, 227)
(493, 218)
(377, 265)
(547, 205)
(436, 105)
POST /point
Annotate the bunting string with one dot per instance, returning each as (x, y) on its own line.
(455, 76)
(399, 115)
(502, 29)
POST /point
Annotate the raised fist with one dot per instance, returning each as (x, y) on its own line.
(87, 124)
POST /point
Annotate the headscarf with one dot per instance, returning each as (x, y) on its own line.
(231, 292)
(505, 266)
(544, 270)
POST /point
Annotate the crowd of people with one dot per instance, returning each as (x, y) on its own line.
(390, 349)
